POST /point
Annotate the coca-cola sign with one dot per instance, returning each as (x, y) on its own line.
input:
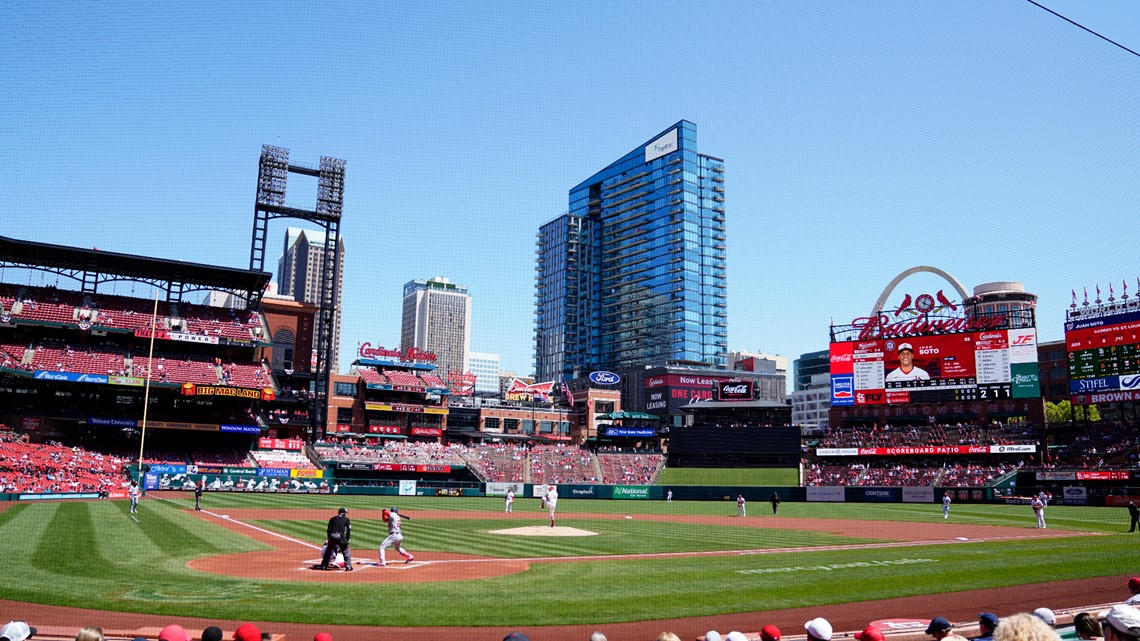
(734, 390)
(366, 350)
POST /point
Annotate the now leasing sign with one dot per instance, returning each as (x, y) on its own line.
(631, 492)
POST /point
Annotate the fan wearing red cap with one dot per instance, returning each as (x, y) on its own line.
(1134, 588)
(770, 633)
(173, 632)
(323, 636)
(247, 632)
(870, 633)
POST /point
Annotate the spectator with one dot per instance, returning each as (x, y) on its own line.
(664, 636)
(1134, 589)
(595, 636)
(1087, 627)
(712, 635)
(173, 632)
(1046, 615)
(770, 633)
(1122, 623)
(819, 629)
(90, 633)
(987, 623)
(939, 628)
(735, 636)
(870, 633)
(247, 632)
(1023, 627)
(516, 636)
(212, 633)
(17, 631)
(321, 636)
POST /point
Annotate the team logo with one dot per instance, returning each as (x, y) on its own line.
(1130, 382)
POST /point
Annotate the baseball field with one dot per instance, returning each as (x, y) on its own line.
(247, 557)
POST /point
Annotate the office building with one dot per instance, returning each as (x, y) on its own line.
(437, 319)
(807, 366)
(634, 273)
(298, 277)
(485, 367)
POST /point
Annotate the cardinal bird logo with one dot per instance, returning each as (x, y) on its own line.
(944, 301)
(904, 306)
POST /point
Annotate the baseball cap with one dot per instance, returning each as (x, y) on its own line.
(988, 618)
(938, 624)
(342, 511)
(248, 631)
(323, 636)
(17, 631)
(870, 633)
(1124, 619)
(173, 632)
(516, 636)
(819, 628)
(905, 346)
(212, 633)
(770, 633)
(1134, 583)
(735, 636)
(712, 635)
(1046, 615)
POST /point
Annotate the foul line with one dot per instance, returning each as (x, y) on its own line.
(253, 527)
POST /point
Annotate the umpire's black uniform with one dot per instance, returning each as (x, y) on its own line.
(339, 531)
(198, 497)
(1133, 515)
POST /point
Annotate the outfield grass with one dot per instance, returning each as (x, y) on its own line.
(95, 555)
(744, 477)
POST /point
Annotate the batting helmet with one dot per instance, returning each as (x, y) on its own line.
(396, 509)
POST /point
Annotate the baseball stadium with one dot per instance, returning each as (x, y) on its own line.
(628, 502)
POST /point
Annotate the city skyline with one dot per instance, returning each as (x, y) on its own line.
(995, 141)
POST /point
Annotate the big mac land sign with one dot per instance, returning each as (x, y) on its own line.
(191, 389)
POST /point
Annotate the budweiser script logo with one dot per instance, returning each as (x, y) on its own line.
(879, 327)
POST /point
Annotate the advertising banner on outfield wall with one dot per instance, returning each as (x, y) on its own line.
(500, 489)
(1075, 495)
(631, 491)
(1056, 476)
(874, 494)
(826, 494)
(918, 494)
(166, 468)
(57, 496)
(928, 450)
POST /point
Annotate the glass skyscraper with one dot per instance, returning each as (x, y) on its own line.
(634, 273)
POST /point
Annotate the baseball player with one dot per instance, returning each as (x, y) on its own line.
(550, 501)
(669, 496)
(395, 536)
(1039, 508)
(740, 509)
(946, 505)
(198, 495)
(510, 508)
(335, 560)
(133, 493)
(775, 502)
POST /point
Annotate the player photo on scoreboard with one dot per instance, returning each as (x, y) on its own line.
(928, 361)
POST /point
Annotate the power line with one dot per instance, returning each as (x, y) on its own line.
(1084, 27)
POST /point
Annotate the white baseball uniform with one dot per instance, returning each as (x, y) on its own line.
(740, 509)
(1039, 508)
(946, 506)
(133, 493)
(395, 537)
(510, 502)
(551, 501)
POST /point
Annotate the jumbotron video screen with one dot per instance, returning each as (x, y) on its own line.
(1103, 354)
(966, 366)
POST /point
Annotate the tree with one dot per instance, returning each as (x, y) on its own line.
(1063, 412)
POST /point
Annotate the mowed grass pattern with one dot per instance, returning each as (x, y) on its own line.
(95, 555)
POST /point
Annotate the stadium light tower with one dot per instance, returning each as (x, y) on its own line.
(272, 177)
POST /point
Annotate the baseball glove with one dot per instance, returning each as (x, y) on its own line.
(384, 515)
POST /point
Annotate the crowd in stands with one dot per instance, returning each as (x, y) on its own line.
(373, 451)
(888, 435)
(633, 469)
(1120, 622)
(290, 459)
(911, 471)
(498, 462)
(54, 467)
(562, 464)
(1100, 444)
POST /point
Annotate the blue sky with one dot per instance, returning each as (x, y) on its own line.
(988, 138)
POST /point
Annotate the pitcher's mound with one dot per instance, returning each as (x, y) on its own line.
(544, 530)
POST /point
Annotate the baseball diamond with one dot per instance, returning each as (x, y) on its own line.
(686, 563)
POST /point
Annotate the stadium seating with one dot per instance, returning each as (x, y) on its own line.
(499, 463)
(54, 467)
(291, 459)
(562, 464)
(372, 377)
(401, 378)
(637, 469)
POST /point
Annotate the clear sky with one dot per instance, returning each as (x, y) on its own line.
(985, 137)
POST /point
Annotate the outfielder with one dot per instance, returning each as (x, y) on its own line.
(510, 501)
(133, 493)
(395, 536)
(1039, 508)
(740, 509)
(946, 505)
(550, 501)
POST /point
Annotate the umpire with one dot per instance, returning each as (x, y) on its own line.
(339, 531)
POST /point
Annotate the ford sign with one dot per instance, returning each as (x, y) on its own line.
(604, 378)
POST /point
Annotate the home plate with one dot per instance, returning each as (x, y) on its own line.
(544, 530)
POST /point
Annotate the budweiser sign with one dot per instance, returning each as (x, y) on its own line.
(366, 350)
(879, 327)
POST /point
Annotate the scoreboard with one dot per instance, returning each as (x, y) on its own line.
(1103, 358)
(965, 366)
